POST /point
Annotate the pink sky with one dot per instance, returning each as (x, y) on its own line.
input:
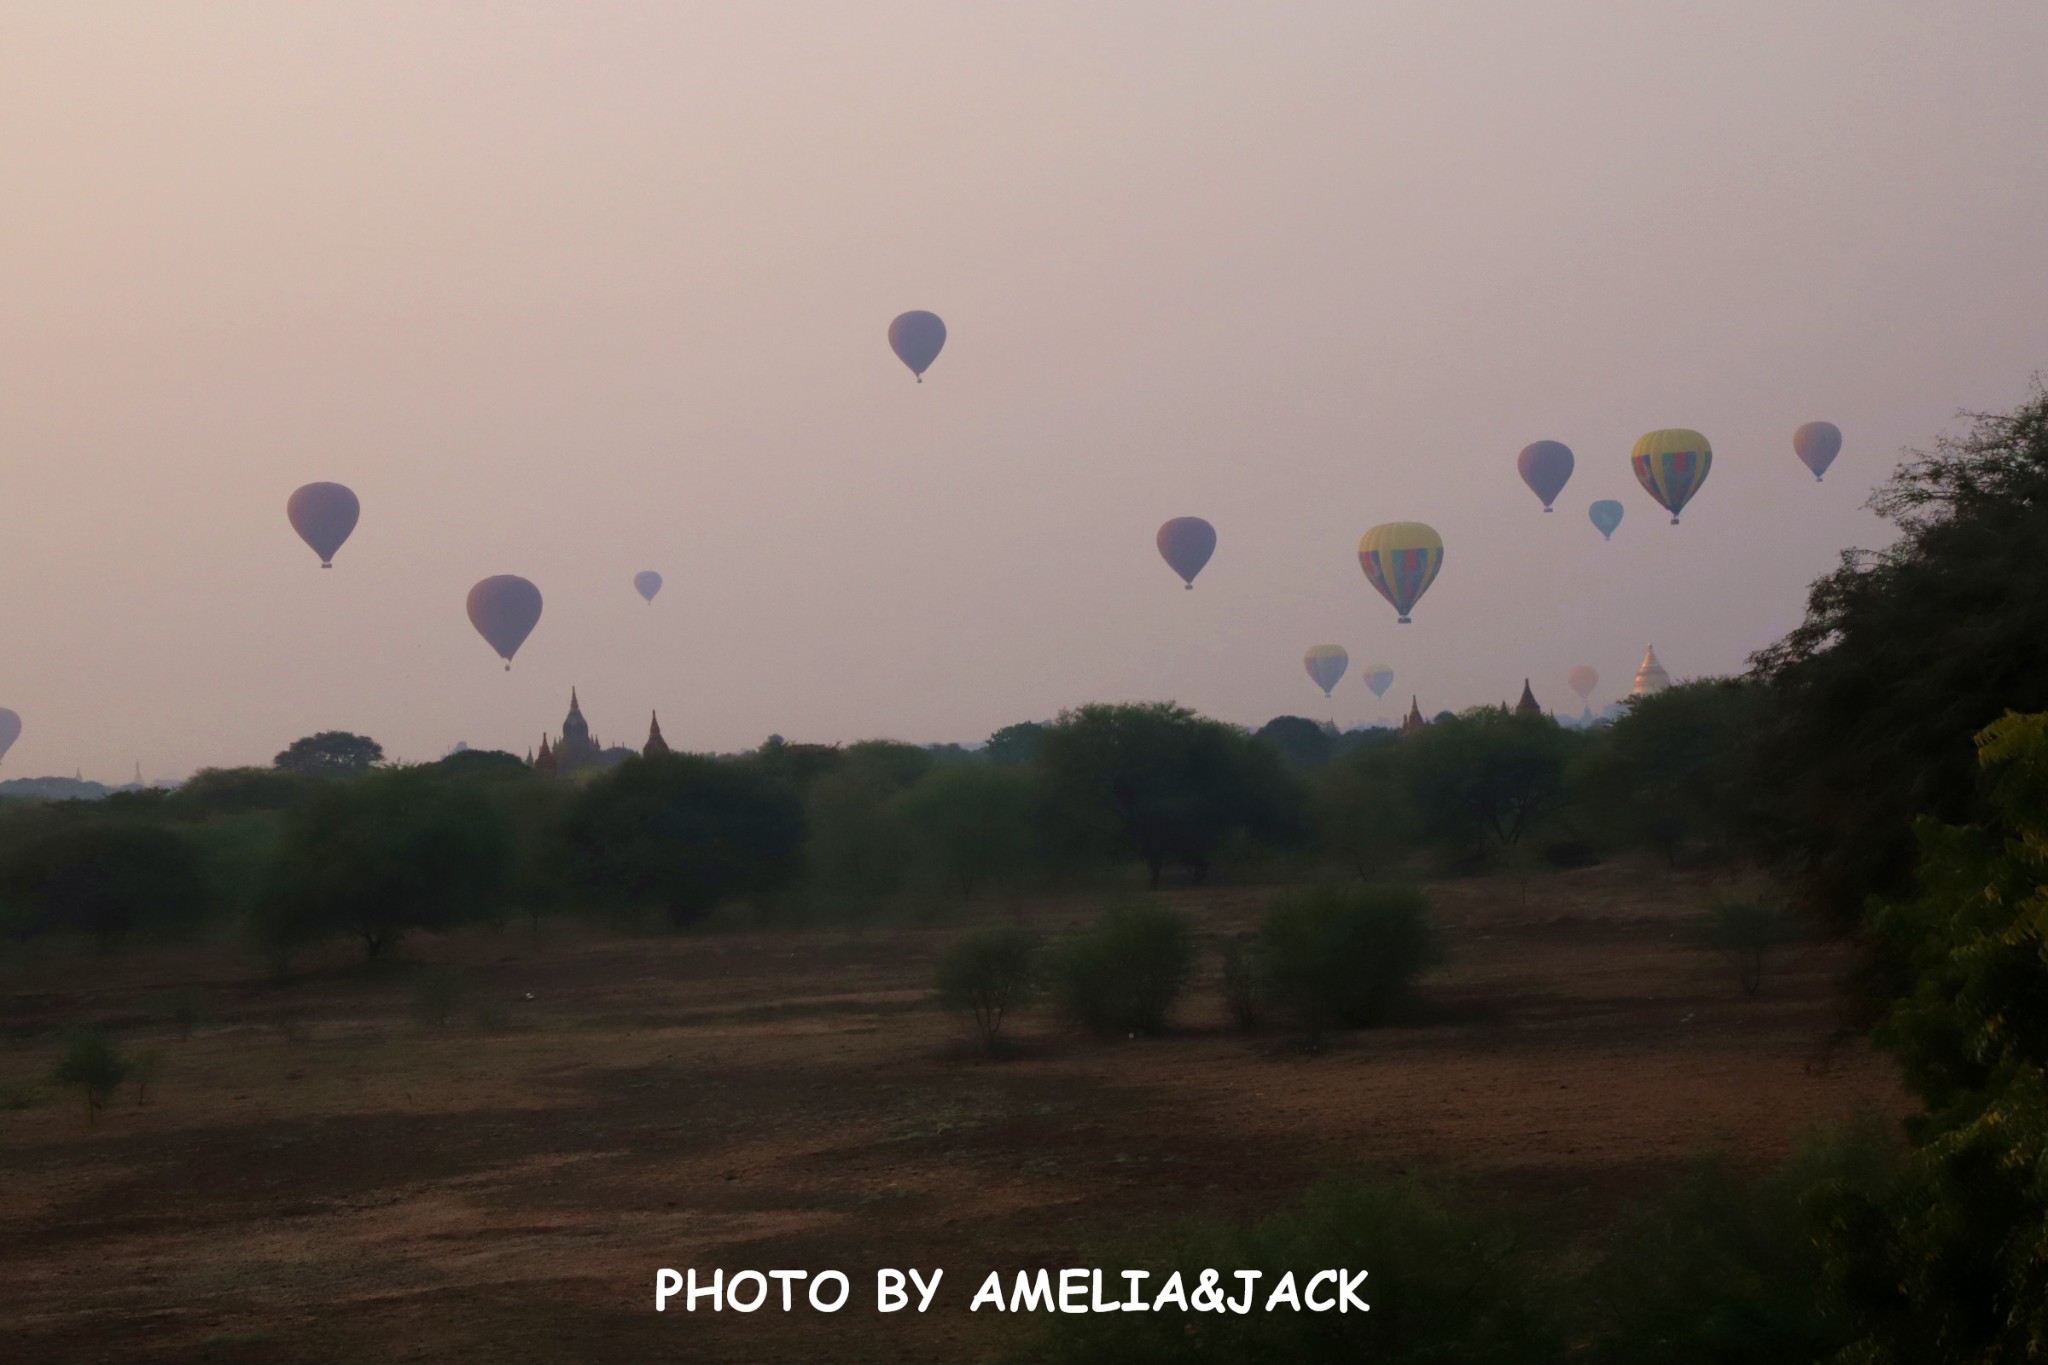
(570, 291)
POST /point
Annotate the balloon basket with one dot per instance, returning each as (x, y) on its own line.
(1403, 620)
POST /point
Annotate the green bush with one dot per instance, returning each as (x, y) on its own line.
(1743, 932)
(1124, 975)
(1345, 956)
(987, 973)
(95, 1064)
(1445, 1287)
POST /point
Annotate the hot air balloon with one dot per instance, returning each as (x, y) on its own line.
(1606, 515)
(1671, 465)
(647, 583)
(1545, 467)
(504, 609)
(323, 514)
(1326, 665)
(1583, 680)
(1817, 444)
(1186, 544)
(10, 730)
(917, 338)
(1401, 558)
(1379, 678)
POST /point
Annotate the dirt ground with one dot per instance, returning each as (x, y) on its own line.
(320, 1175)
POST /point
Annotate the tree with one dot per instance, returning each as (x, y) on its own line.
(1360, 809)
(1677, 768)
(331, 753)
(236, 791)
(682, 832)
(970, 823)
(1487, 776)
(987, 973)
(1301, 742)
(401, 850)
(1015, 745)
(1903, 655)
(106, 880)
(96, 1065)
(1160, 782)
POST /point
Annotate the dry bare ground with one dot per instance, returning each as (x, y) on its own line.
(320, 1176)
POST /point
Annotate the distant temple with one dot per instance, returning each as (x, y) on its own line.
(655, 743)
(1527, 706)
(1651, 677)
(577, 750)
(1414, 720)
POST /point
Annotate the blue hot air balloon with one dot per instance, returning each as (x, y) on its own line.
(1606, 515)
(917, 337)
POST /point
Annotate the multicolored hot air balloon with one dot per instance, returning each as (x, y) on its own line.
(1671, 465)
(1606, 515)
(1401, 559)
(10, 730)
(504, 609)
(1817, 444)
(1326, 665)
(1186, 544)
(1583, 680)
(1379, 678)
(323, 514)
(917, 337)
(647, 583)
(1545, 466)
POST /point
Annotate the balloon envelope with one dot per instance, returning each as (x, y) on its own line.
(1817, 444)
(647, 583)
(1326, 665)
(917, 338)
(323, 514)
(1606, 515)
(10, 730)
(1583, 680)
(1186, 544)
(1379, 678)
(1545, 466)
(1671, 465)
(504, 609)
(1401, 559)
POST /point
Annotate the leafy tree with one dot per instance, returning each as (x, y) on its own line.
(1485, 777)
(1015, 745)
(1678, 767)
(1302, 742)
(331, 753)
(238, 791)
(483, 765)
(94, 1063)
(376, 859)
(1345, 956)
(682, 832)
(971, 823)
(988, 973)
(1904, 654)
(1158, 781)
(1124, 974)
(795, 766)
(106, 880)
(1360, 809)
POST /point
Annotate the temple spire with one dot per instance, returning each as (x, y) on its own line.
(1528, 705)
(655, 743)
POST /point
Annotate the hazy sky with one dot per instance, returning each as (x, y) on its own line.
(573, 290)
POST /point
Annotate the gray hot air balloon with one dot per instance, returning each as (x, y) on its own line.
(10, 730)
(323, 514)
(1545, 467)
(1816, 444)
(504, 609)
(647, 582)
(917, 338)
(1186, 543)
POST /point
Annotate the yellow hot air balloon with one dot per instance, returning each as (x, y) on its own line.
(1401, 558)
(1671, 465)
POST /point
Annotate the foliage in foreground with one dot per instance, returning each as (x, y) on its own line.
(1344, 956)
(1123, 975)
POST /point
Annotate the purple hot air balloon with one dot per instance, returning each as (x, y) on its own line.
(323, 514)
(10, 730)
(917, 338)
(1817, 444)
(1186, 544)
(647, 583)
(1545, 467)
(504, 609)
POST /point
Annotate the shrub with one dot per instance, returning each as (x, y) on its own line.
(1743, 932)
(1345, 956)
(106, 880)
(1124, 975)
(1445, 1286)
(95, 1064)
(987, 973)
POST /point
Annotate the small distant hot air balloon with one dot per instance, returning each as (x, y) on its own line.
(1379, 678)
(504, 609)
(647, 583)
(1671, 465)
(1186, 544)
(1401, 559)
(1606, 515)
(10, 730)
(1583, 680)
(1817, 444)
(1326, 665)
(323, 514)
(917, 338)
(1545, 467)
